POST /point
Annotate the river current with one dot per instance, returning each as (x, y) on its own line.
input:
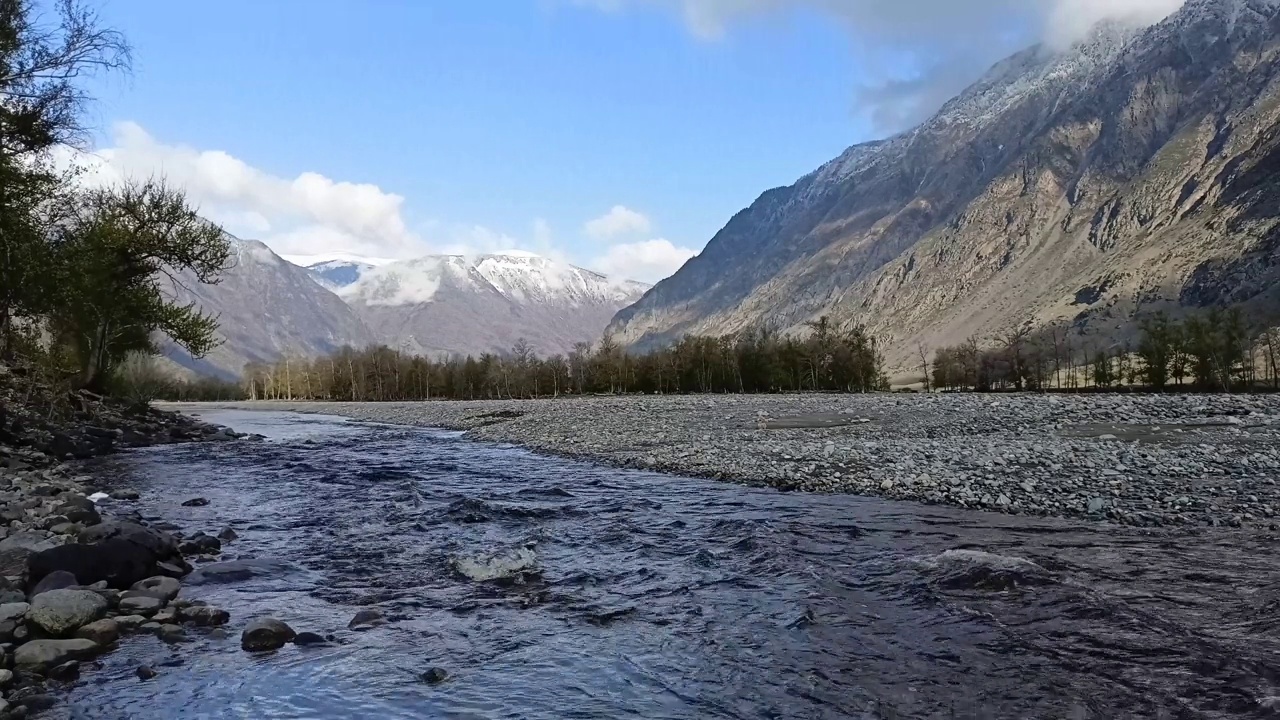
(641, 595)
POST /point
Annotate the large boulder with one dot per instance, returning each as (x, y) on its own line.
(118, 562)
(266, 634)
(44, 654)
(61, 612)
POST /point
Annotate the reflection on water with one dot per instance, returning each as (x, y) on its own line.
(603, 593)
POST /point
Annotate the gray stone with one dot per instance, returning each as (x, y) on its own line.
(103, 632)
(13, 611)
(171, 634)
(61, 612)
(130, 623)
(164, 588)
(140, 604)
(204, 616)
(265, 634)
(43, 654)
(366, 618)
(6, 678)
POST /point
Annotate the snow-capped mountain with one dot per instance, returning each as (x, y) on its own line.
(337, 274)
(452, 304)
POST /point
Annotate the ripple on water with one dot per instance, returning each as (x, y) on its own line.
(549, 588)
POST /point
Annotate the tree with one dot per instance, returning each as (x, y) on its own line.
(41, 102)
(111, 258)
(924, 363)
(1156, 348)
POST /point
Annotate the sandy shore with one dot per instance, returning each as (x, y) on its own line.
(1139, 460)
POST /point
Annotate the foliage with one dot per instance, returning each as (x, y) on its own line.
(111, 257)
(828, 360)
(81, 272)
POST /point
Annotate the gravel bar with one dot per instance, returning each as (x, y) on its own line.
(1143, 460)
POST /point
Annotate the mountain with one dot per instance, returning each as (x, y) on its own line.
(268, 308)
(1134, 171)
(450, 304)
(335, 274)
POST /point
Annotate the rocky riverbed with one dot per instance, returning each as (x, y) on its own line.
(1144, 460)
(80, 570)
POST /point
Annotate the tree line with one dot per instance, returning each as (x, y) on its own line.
(1217, 350)
(86, 273)
(828, 359)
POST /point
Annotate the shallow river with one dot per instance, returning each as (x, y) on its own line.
(662, 597)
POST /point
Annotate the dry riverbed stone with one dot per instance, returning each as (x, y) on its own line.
(61, 612)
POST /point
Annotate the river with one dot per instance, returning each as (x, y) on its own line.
(662, 597)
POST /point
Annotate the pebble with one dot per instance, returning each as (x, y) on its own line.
(1048, 455)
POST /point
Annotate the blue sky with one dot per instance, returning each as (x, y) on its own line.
(398, 127)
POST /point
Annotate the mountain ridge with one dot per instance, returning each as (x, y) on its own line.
(1048, 175)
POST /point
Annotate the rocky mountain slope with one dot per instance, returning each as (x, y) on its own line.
(1136, 170)
(268, 308)
(448, 304)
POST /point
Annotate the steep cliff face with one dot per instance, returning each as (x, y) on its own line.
(1137, 169)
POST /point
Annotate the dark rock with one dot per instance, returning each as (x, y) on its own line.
(79, 509)
(309, 638)
(66, 672)
(201, 544)
(196, 502)
(266, 634)
(125, 494)
(39, 703)
(434, 676)
(119, 562)
(366, 619)
(172, 570)
(160, 544)
(237, 571)
(228, 534)
(56, 580)
(145, 672)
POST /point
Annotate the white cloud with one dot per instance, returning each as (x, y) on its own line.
(307, 214)
(647, 261)
(620, 221)
(312, 216)
(913, 55)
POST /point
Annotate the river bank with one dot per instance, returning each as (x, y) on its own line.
(1142, 460)
(80, 568)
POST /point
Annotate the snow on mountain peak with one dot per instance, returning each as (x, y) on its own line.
(520, 277)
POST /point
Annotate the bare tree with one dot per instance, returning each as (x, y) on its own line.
(924, 363)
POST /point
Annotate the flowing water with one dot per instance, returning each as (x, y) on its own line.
(628, 594)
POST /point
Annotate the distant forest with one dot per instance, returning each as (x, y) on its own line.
(829, 359)
(1213, 351)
